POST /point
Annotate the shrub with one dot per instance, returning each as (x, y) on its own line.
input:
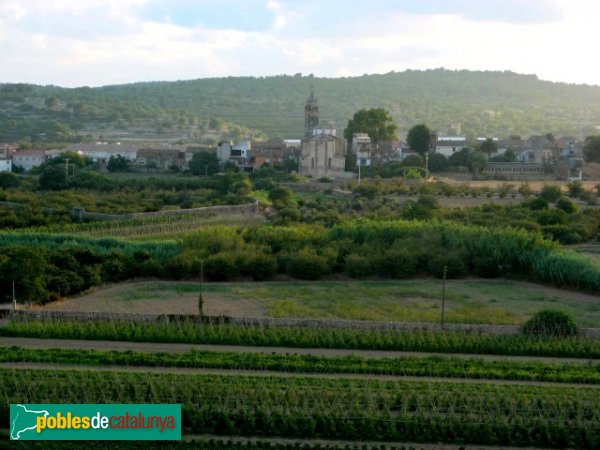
(551, 322)
(551, 193)
(566, 205)
(259, 266)
(220, 267)
(397, 264)
(536, 204)
(358, 266)
(8, 180)
(575, 188)
(455, 263)
(306, 265)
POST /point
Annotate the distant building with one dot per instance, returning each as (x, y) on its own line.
(101, 152)
(322, 152)
(449, 145)
(160, 158)
(28, 159)
(236, 154)
(5, 165)
(362, 148)
(5, 159)
(311, 115)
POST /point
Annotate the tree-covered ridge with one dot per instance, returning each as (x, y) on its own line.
(484, 103)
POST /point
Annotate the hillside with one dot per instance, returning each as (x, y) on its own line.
(484, 103)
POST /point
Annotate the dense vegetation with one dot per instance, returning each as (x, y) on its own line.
(402, 411)
(485, 103)
(393, 249)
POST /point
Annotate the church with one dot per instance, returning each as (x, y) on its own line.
(322, 152)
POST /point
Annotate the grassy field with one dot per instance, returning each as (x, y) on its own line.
(467, 301)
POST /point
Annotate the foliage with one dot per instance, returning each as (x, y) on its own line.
(376, 122)
(551, 322)
(204, 163)
(8, 180)
(419, 139)
(295, 363)
(352, 409)
(488, 146)
(437, 162)
(118, 164)
(551, 193)
(591, 149)
(306, 264)
(213, 332)
(566, 205)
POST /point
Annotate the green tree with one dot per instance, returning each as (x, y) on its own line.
(376, 122)
(204, 163)
(488, 146)
(591, 149)
(118, 164)
(8, 180)
(54, 178)
(419, 139)
(437, 162)
(27, 267)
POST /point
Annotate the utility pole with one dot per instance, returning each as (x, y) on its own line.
(67, 167)
(426, 166)
(444, 294)
(358, 171)
(14, 297)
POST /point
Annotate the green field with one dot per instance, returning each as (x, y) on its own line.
(467, 301)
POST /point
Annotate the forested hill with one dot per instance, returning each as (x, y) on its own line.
(484, 103)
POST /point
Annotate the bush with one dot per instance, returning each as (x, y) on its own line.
(306, 265)
(566, 205)
(551, 322)
(397, 264)
(259, 266)
(8, 180)
(551, 193)
(358, 266)
(220, 267)
(455, 263)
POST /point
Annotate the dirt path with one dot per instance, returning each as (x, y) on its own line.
(123, 346)
(327, 443)
(276, 374)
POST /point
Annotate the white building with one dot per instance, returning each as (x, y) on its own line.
(362, 148)
(5, 165)
(449, 145)
(28, 159)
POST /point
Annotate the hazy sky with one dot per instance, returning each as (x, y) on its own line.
(97, 42)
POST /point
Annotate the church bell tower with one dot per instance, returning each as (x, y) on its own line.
(311, 114)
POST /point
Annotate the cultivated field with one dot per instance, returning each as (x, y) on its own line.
(467, 301)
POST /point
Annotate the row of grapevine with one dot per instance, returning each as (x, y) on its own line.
(459, 368)
(233, 334)
(343, 409)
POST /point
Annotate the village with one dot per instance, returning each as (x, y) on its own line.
(322, 152)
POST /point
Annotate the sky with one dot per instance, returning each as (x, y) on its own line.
(99, 42)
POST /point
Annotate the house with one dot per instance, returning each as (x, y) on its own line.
(5, 159)
(101, 152)
(448, 145)
(362, 148)
(322, 152)
(28, 159)
(236, 154)
(5, 165)
(160, 158)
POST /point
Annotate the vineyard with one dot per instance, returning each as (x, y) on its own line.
(163, 225)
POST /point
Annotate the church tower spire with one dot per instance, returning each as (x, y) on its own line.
(311, 114)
